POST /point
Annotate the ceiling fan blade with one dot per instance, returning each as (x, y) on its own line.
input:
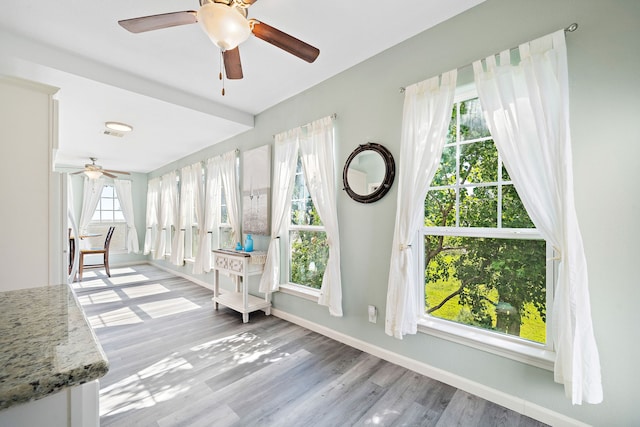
(284, 41)
(156, 22)
(112, 171)
(108, 174)
(232, 65)
(76, 173)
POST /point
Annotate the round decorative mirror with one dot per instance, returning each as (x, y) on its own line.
(368, 173)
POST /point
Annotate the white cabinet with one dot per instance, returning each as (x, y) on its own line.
(31, 215)
(72, 407)
(240, 266)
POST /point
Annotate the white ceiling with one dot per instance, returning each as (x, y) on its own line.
(165, 82)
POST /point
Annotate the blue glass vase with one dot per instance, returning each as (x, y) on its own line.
(248, 244)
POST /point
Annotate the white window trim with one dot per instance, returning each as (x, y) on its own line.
(502, 345)
(511, 347)
(300, 291)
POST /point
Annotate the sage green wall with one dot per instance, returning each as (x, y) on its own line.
(604, 59)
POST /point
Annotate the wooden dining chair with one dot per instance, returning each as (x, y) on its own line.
(97, 251)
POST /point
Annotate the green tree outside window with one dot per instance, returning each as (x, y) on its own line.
(475, 274)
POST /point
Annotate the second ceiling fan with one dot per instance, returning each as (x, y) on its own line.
(227, 25)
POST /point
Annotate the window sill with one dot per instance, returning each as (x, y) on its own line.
(300, 291)
(515, 349)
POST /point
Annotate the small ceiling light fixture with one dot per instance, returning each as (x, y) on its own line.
(117, 126)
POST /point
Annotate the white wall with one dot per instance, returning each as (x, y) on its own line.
(30, 252)
(604, 59)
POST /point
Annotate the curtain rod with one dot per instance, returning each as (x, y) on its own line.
(570, 29)
(332, 116)
(203, 162)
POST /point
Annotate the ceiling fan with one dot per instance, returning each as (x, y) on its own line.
(94, 171)
(227, 25)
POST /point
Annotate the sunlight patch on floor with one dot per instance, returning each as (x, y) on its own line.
(168, 307)
(122, 270)
(99, 297)
(120, 317)
(165, 366)
(92, 273)
(145, 290)
(381, 419)
(89, 284)
(249, 357)
(145, 388)
(230, 342)
(125, 280)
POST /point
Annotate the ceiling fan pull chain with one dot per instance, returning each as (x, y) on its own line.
(221, 75)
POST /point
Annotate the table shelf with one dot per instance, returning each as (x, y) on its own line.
(235, 301)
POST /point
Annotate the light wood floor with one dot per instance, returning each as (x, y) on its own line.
(174, 361)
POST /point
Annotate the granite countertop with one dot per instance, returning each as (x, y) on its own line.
(46, 344)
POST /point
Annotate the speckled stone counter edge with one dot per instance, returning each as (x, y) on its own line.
(46, 344)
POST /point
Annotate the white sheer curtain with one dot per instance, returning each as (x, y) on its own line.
(198, 206)
(527, 110)
(189, 191)
(425, 119)
(177, 243)
(125, 197)
(285, 158)
(211, 217)
(317, 153)
(91, 196)
(153, 198)
(71, 221)
(168, 215)
(231, 192)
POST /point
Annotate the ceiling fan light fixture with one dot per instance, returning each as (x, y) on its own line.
(93, 174)
(225, 25)
(117, 126)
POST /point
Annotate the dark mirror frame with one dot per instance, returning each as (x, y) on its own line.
(389, 175)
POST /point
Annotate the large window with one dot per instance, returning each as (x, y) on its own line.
(486, 266)
(308, 248)
(108, 212)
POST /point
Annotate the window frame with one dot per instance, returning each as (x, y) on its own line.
(298, 289)
(512, 347)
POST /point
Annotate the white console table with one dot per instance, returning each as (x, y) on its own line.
(240, 265)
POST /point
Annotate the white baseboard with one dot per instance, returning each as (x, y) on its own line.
(519, 405)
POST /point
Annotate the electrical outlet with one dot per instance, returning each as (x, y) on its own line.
(373, 314)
